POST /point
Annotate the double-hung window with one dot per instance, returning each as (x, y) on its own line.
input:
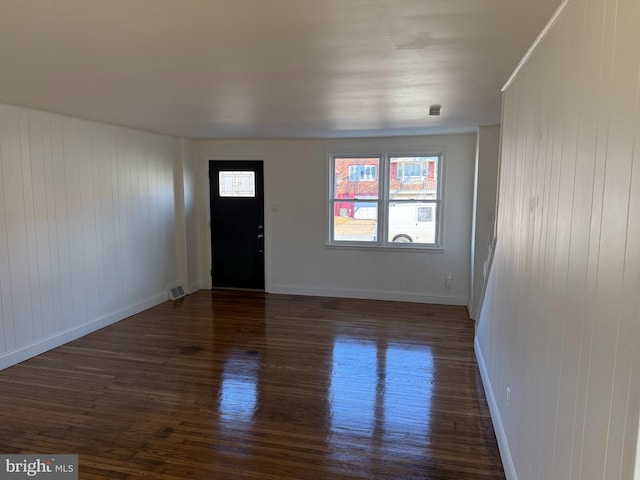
(390, 200)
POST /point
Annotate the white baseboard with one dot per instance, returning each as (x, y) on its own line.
(65, 336)
(471, 312)
(194, 287)
(503, 445)
(369, 294)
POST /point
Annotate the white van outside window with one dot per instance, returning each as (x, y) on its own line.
(412, 223)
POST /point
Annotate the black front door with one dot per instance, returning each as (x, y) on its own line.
(237, 224)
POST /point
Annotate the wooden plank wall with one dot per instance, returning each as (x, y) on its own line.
(86, 227)
(560, 322)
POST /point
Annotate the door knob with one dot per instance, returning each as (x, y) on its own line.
(260, 235)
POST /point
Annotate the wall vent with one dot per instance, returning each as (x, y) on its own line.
(176, 292)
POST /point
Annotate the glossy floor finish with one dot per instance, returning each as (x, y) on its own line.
(226, 385)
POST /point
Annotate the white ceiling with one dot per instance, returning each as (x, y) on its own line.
(267, 68)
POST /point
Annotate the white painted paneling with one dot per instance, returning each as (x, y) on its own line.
(186, 216)
(485, 186)
(296, 203)
(87, 227)
(191, 217)
(20, 323)
(181, 235)
(560, 324)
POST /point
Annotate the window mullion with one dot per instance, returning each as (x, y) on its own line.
(384, 199)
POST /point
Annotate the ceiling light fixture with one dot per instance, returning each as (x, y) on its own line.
(434, 111)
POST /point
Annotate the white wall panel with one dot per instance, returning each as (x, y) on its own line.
(87, 227)
(40, 225)
(6, 298)
(561, 321)
(21, 321)
(191, 216)
(486, 178)
(296, 200)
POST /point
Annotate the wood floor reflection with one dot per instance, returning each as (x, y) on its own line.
(228, 385)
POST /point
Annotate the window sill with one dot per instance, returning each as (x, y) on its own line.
(388, 248)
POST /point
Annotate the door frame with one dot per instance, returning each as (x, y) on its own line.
(208, 258)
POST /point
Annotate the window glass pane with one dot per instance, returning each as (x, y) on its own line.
(412, 222)
(355, 221)
(356, 178)
(237, 184)
(413, 178)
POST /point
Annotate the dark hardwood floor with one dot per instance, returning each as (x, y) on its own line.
(229, 385)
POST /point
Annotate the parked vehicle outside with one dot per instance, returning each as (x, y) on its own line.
(409, 222)
(412, 222)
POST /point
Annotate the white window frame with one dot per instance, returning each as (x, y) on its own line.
(383, 201)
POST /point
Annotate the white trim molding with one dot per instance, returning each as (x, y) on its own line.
(12, 358)
(397, 296)
(535, 43)
(503, 444)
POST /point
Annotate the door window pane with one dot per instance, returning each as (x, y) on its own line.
(237, 184)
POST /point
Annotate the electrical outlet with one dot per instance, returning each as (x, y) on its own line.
(508, 396)
(448, 280)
